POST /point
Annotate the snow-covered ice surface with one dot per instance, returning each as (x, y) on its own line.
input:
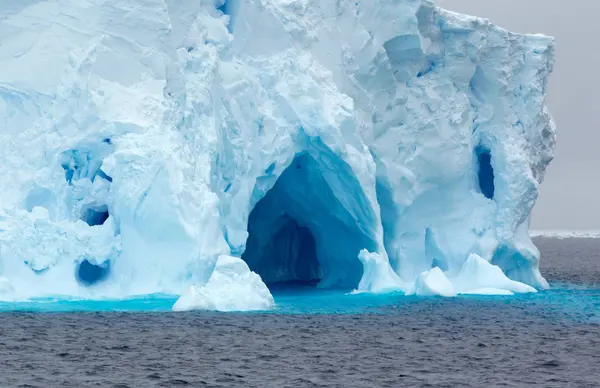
(141, 140)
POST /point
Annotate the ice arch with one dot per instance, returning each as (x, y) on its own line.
(312, 224)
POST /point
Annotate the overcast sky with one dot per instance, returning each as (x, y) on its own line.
(569, 195)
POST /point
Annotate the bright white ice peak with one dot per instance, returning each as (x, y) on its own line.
(138, 136)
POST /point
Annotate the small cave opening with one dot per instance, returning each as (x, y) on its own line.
(485, 172)
(95, 216)
(89, 273)
(310, 226)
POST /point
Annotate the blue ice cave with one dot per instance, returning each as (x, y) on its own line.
(89, 273)
(310, 227)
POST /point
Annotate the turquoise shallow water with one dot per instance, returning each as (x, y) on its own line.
(156, 303)
(580, 303)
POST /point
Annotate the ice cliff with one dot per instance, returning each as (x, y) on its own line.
(144, 141)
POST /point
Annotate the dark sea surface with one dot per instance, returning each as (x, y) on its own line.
(549, 339)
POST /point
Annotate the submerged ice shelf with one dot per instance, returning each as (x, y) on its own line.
(213, 149)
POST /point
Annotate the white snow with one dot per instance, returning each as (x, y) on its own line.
(231, 287)
(142, 140)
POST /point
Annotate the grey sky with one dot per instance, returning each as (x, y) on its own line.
(568, 198)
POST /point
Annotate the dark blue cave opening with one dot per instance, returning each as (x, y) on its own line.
(95, 216)
(485, 172)
(302, 233)
(289, 258)
(89, 274)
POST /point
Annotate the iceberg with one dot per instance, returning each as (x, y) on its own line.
(477, 274)
(476, 277)
(378, 276)
(231, 287)
(433, 282)
(145, 144)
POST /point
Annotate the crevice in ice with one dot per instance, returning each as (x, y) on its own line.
(305, 228)
(388, 214)
(480, 87)
(388, 208)
(86, 162)
(433, 251)
(431, 65)
(89, 273)
(485, 171)
(230, 8)
(89, 184)
(94, 216)
(103, 175)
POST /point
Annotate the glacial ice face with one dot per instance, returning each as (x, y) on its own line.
(142, 140)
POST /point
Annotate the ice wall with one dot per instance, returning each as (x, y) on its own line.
(141, 140)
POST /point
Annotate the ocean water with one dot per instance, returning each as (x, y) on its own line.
(321, 339)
